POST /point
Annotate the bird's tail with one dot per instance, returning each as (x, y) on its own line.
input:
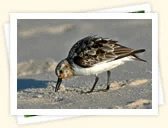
(133, 53)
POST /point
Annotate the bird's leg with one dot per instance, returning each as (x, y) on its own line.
(96, 80)
(108, 80)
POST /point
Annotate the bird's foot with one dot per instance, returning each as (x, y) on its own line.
(106, 89)
(87, 92)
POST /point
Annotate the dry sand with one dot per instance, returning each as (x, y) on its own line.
(43, 43)
(120, 95)
(39, 93)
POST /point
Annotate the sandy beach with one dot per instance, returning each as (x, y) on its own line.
(43, 43)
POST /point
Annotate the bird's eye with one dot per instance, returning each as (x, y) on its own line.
(61, 71)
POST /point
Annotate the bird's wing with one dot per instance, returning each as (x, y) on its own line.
(92, 50)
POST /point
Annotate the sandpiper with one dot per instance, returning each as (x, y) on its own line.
(93, 55)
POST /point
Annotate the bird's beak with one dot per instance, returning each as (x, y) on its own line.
(58, 84)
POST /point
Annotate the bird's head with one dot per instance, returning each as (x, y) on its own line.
(63, 71)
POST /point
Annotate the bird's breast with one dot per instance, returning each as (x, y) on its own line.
(100, 67)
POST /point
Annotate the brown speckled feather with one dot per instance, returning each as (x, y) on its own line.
(92, 50)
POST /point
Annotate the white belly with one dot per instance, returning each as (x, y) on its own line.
(101, 67)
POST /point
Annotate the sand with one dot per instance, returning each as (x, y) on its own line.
(36, 90)
(43, 43)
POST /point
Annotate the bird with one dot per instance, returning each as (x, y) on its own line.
(93, 55)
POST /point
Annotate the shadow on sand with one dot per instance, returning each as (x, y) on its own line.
(30, 83)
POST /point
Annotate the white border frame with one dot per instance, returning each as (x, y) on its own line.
(13, 66)
(132, 8)
(39, 119)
